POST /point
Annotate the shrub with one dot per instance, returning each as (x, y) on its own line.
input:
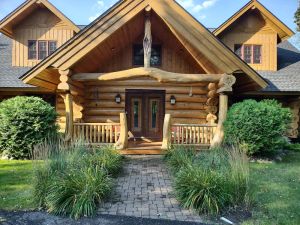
(74, 178)
(258, 126)
(215, 181)
(25, 121)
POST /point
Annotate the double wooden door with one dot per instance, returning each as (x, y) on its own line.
(145, 113)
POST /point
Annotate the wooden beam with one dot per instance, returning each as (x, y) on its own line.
(147, 42)
(160, 75)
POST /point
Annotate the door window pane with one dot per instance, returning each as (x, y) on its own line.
(42, 49)
(136, 112)
(154, 109)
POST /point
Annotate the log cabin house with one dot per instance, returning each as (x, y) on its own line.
(146, 74)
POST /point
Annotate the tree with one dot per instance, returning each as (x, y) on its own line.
(297, 18)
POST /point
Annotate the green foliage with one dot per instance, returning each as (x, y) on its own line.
(179, 156)
(293, 147)
(214, 181)
(25, 121)
(297, 18)
(74, 178)
(259, 127)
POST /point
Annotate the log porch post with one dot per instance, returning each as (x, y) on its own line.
(166, 132)
(225, 86)
(122, 143)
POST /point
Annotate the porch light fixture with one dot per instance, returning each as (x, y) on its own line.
(173, 100)
(118, 98)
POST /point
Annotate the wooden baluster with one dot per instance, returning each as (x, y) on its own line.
(194, 134)
(103, 134)
(94, 133)
(198, 135)
(202, 135)
(106, 134)
(115, 133)
(111, 133)
(91, 134)
(86, 133)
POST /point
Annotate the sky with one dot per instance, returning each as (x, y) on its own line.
(211, 13)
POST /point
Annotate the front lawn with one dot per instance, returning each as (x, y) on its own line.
(277, 192)
(16, 185)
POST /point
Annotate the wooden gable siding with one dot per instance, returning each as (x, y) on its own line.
(116, 52)
(100, 103)
(40, 25)
(251, 28)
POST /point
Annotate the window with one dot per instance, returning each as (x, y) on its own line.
(52, 47)
(249, 53)
(138, 55)
(256, 54)
(31, 49)
(42, 46)
(40, 49)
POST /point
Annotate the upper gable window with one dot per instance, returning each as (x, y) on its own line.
(138, 55)
(39, 50)
(249, 53)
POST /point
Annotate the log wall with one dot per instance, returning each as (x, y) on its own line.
(100, 106)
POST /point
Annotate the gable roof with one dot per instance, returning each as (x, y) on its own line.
(25, 9)
(284, 32)
(185, 28)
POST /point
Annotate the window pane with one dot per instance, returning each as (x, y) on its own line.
(154, 114)
(31, 49)
(42, 49)
(52, 47)
(138, 55)
(238, 50)
(247, 53)
(155, 55)
(257, 54)
(136, 109)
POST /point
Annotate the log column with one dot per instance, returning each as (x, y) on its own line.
(225, 86)
(211, 103)
(147, 42)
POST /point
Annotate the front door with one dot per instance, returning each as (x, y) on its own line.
(145, 113)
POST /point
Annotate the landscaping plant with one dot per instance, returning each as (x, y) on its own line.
(214, 180)
(258, 127)
(25, 121)
(74, 177)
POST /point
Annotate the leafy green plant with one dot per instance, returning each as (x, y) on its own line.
(74, 177)
(293, 147)
(25, 121)
(258, 127)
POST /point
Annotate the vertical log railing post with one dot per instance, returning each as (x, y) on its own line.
(147, 42)
(123, 139)
(166, 132)
(68, 99)
(219, 133)
(225, 86)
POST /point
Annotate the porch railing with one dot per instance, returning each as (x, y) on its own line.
(97, 132)
(192, 134)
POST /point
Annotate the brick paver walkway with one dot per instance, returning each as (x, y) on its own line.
(145, 190)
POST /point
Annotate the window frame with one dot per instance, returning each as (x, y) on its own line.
(242, 49)
(37, 46)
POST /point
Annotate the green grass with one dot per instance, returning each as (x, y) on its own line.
(16, 185)
(277, 192)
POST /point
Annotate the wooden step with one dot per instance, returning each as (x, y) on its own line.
(142, 152)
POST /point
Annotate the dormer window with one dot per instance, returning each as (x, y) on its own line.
(249, 53)
(39, 50)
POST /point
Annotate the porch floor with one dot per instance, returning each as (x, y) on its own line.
(145, 190)
(143, 148)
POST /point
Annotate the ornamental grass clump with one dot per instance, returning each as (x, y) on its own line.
(214, 181)
(73, 178)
